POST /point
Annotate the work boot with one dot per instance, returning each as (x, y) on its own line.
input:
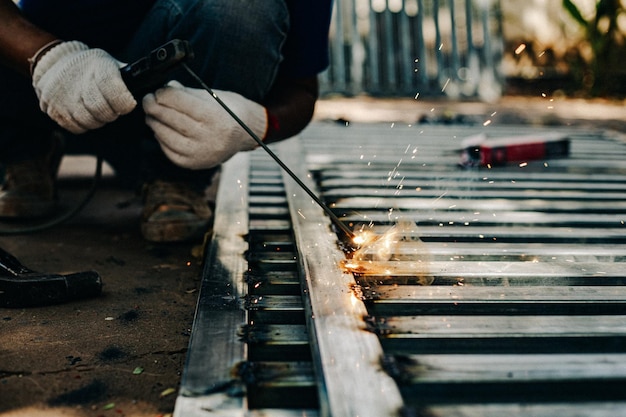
(28, 189)
(175, 212)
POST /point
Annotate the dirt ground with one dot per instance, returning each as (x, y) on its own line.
(118, 354)
(122, 353)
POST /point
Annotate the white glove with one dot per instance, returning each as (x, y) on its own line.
(195, 132)
(81, 88)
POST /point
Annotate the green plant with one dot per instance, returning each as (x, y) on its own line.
(607, 43)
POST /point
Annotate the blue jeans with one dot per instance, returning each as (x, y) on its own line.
(237, 47)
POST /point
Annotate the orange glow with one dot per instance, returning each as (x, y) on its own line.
(397, 252)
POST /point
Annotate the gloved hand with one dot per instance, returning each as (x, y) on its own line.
(81, 88)
(195, 132)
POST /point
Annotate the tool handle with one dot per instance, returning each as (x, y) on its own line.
(151, 72)
(23, 287)
(10, 265)
(36, 289)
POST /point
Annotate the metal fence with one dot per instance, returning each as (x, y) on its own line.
(415, 47)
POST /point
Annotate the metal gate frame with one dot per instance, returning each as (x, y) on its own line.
(415, 48)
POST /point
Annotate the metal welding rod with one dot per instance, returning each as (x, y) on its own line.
(262, 144)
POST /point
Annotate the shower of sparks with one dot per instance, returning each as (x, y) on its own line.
(398, 251)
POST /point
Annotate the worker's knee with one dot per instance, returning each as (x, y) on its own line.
(238, 16)
(243, 21)
(234, 13)
(238, 43)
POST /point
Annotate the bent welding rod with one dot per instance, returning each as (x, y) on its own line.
(262, 144)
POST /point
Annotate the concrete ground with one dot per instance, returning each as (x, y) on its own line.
(122, 353)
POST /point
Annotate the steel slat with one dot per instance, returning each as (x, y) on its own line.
(540, 285)
(512, 262)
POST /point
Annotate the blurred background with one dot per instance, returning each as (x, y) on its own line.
(477, 49)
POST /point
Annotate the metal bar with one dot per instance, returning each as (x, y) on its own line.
(338, 48)
(588, 409)
(502, 326)
(484, 269)
(406, 59)
(374, 52)
(447, 202)
(417, 294)
(422, 66)
(455, 62)
(423, 369)
(340, 182)
(344, 356)
(388, 33)
(401, 299)
(357, 53)
(214, 348)
(438, 46)
(512, 378)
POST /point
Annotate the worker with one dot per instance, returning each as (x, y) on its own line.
(61, 91)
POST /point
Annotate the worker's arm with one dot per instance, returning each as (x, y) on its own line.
(19, 39)
(80, 88)
(195, 132)
(290, 106)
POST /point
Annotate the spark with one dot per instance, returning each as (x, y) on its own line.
(445, 85)
(520, 49)
(353, 300)
(397, 251)
(440, 197)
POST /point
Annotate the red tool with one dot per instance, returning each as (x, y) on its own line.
(480, 150)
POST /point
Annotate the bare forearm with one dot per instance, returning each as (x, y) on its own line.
(19, 39)
(291, 104)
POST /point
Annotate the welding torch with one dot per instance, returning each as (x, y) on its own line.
(262, 144)
(143, 75)
(23, 287)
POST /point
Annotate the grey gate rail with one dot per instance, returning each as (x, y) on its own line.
(525, 314)
(415, 47)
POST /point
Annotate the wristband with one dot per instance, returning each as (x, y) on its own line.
(32, 61)
(273, 125)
